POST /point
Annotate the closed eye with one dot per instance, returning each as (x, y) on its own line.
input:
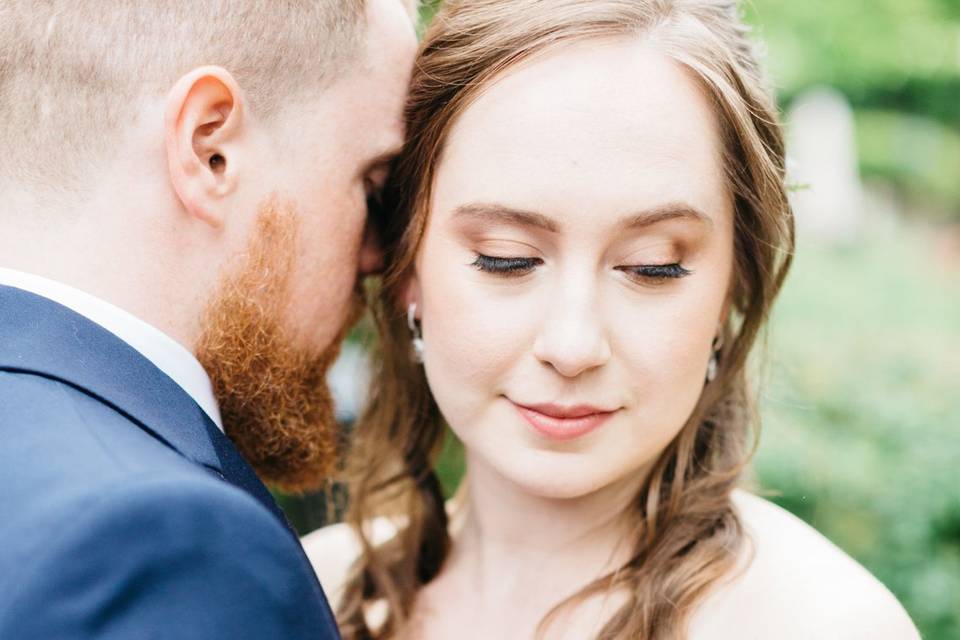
(506, 266)
(656, 272)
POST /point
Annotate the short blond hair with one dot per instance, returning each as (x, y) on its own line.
(71, 69)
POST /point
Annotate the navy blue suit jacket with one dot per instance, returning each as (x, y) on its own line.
(124, 512)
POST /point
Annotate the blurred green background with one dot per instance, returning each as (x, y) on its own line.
(861, 392)
(861, 403)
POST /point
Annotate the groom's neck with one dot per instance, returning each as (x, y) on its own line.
(116, 248)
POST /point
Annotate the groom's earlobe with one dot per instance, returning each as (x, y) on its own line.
(202, 123)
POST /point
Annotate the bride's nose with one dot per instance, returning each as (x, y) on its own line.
(573, 337)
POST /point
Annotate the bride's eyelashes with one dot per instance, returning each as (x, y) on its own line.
(656, 272)
(506, 266)
(510, 266)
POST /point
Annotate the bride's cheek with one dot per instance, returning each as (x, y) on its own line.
(475, 335)
(471, 332)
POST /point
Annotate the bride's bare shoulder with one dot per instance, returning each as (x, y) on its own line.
(333, 549)
(794, 583)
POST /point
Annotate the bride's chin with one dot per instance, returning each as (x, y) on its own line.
(538, 476)
(566, 490)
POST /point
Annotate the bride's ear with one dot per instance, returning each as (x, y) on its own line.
(725, 312)
(411, 294)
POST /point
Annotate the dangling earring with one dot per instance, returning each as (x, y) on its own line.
(417, 339)
(714, 365)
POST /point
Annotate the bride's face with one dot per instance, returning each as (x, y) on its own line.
(576, 266)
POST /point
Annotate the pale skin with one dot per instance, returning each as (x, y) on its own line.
(606, 197)
(162, 222)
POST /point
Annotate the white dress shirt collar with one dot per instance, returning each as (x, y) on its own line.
(164, 352)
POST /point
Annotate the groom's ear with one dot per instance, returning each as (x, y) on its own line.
(203, 126)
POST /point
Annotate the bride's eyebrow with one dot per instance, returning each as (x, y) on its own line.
(492, 213)
(500, 214)
(664, 212)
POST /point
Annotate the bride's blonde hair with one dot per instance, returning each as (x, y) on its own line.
(687, 534)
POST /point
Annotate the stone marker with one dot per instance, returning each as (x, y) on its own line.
(822, 164)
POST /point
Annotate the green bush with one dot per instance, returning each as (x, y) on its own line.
(918, 156)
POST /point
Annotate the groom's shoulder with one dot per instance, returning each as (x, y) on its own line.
(153, 546)
(54, 433)
(97, 510)
(63, 451)
(75, 470)
(65, 454)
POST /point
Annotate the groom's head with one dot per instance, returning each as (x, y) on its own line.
(207, 165)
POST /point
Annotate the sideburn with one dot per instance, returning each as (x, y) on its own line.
(273, 395)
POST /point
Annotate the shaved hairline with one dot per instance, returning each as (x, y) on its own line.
(72, 71)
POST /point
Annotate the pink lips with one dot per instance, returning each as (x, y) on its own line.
(563, 423)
